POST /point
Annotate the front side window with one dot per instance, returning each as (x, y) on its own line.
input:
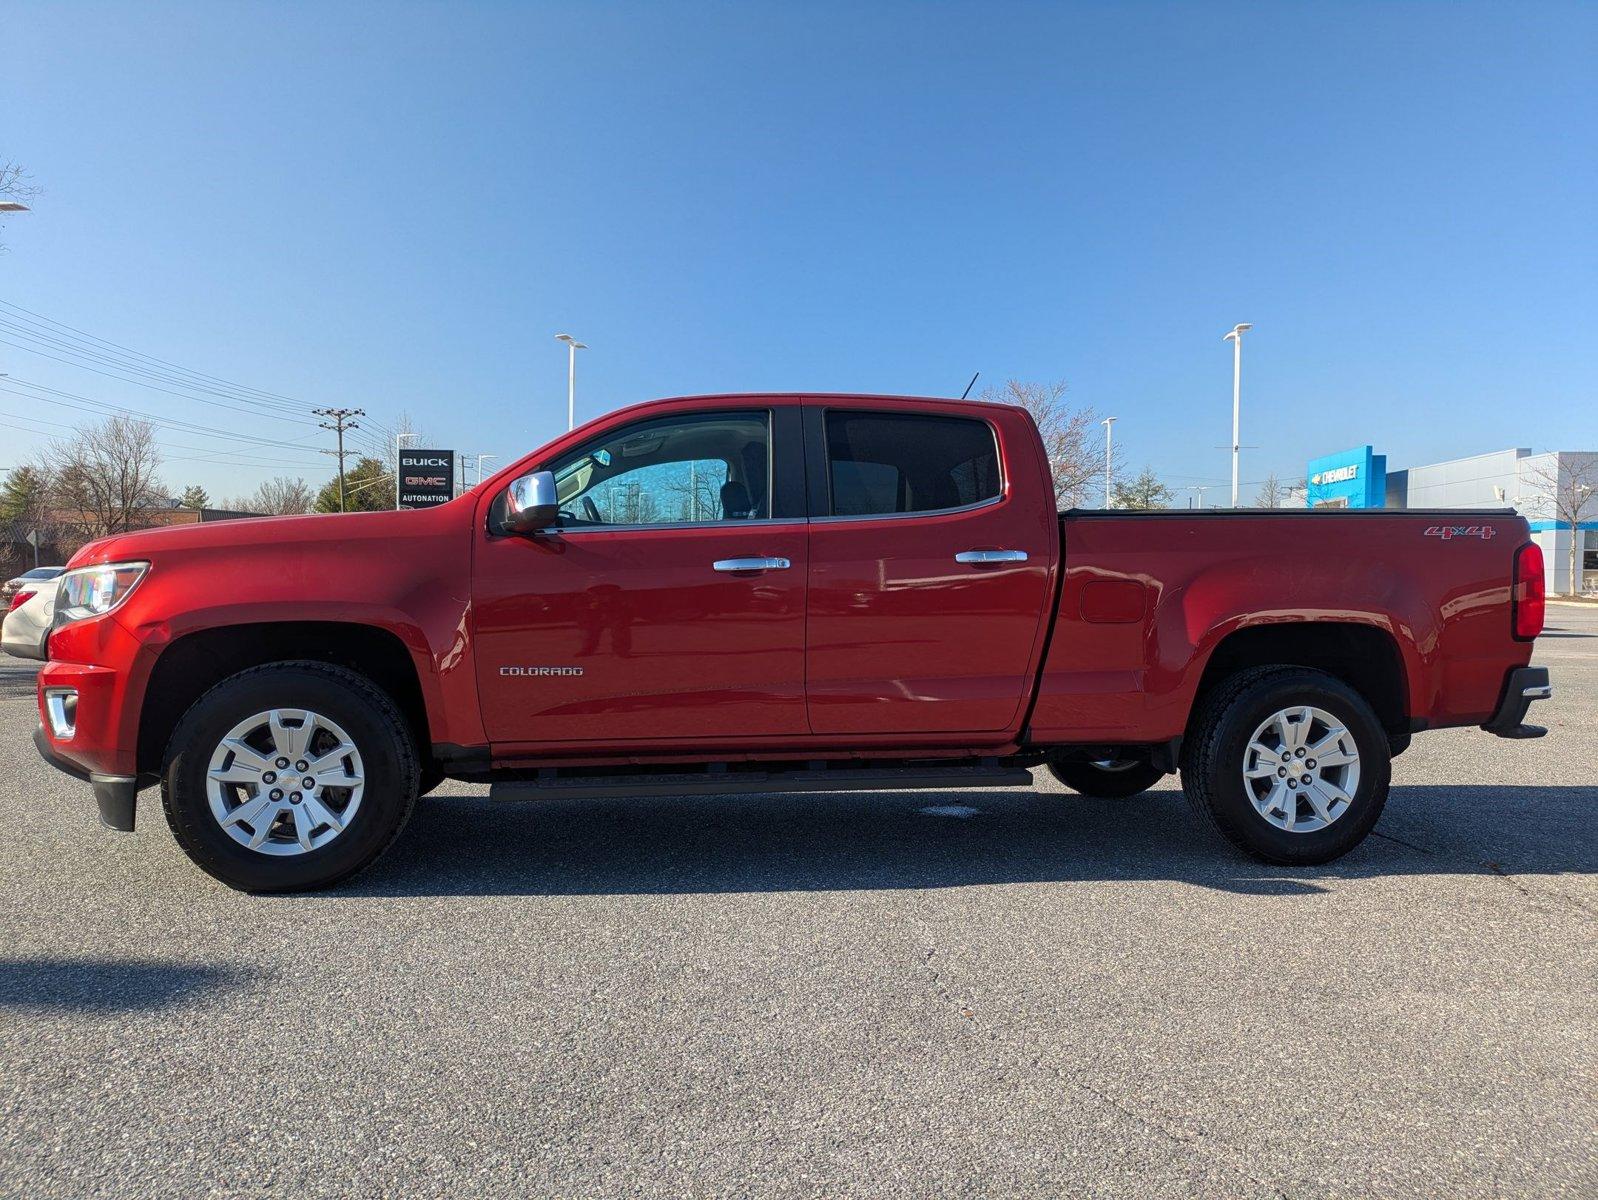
(881, 463)
(670, 471)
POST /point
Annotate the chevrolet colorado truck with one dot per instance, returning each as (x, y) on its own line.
(759, 593)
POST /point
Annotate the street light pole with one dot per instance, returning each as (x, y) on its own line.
(397, 438)
(480, 459)
(1236, 338)
(1109, 440)
(572, 347)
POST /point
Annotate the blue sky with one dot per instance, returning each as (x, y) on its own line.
(395, 206)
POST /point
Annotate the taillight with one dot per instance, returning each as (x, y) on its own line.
(1530, 591)
(19, 599)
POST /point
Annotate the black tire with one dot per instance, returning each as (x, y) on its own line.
(1215, 752)
(359, 707)
(1128, 777)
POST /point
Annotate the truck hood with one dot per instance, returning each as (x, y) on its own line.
(275, 533)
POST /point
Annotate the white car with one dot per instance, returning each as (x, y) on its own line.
(28, 581)
(27, 626)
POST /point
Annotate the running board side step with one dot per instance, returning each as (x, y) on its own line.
(721, 780)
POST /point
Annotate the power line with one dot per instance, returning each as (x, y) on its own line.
(228, 458)
(140, 383)
(269, 408)
(104, 407)
(42, 320)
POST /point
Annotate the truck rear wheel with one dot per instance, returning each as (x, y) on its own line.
(1110, 779)
(1291, 765)
(289, 777)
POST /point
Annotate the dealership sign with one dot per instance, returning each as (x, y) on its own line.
(426, 478)
(1338, 475)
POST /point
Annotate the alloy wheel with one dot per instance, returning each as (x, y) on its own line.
(1301, 769)
(284, 782)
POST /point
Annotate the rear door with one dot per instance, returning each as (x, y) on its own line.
(932, 540)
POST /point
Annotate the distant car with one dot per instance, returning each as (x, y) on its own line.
(38, 575)
(27, 625)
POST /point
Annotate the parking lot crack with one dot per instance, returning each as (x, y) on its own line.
(1537, 895)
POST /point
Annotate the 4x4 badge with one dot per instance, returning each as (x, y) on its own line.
(1449, 532)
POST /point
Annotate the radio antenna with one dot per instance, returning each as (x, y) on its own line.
(969, 386)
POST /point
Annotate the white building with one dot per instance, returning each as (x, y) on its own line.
(1527, 482)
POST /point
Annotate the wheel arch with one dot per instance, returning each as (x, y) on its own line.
(191, 665)
(1365, 657)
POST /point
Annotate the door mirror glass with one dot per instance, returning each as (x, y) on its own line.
(531, 504)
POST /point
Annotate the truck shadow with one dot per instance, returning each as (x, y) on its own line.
(468, 845)
(52, 984)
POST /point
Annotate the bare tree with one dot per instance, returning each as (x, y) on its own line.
(696, 492)
(1272, 494)
(283, 497)
(15, 185)
(1071, 437)
(1295, 493)
(105, 476)
(404, 427)
(1568, 489)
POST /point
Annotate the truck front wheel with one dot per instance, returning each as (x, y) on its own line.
(1109, 779)
(289, 777)
(1291, 765)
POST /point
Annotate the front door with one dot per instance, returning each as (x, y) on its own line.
(929, 577)
(669, 603)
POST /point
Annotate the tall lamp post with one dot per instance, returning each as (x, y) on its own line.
(572, 347)
(398, 437)
(480, 459)
(1236, 338)
(1109, 440)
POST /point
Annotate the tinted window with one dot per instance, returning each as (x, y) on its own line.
(670, 471)
(893, 463)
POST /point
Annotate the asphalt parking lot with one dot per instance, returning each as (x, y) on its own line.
(837, 995)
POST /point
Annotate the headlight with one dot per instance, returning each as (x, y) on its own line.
(92, 591)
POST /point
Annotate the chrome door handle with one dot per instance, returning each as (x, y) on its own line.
(990, 556)
(751, 564)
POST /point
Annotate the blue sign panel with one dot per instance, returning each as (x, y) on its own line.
(1352, 479)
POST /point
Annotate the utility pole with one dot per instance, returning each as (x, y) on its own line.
(341, 419)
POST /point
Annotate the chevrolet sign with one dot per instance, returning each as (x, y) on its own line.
(1337, 475)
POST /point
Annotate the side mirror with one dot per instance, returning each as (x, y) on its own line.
(531, 503)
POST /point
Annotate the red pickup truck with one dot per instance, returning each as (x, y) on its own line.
(762, 593)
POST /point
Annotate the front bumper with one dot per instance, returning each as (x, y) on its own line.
(1524, 686)
(115, 795)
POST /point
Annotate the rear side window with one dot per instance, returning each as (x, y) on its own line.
(880, 463)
